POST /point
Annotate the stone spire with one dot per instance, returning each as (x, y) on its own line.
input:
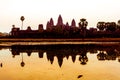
(47, 25)
(67, 24)
(73, 23)
(60, 21)
(51, 22)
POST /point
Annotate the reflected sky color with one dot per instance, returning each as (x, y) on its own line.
(37, 68)
(40, 11)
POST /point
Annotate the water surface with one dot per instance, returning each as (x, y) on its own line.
(60, 62)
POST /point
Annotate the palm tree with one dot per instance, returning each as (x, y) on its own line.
(101, 26)
(22, 19)
(22, 63)
(82, 25)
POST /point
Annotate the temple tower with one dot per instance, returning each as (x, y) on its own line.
(51, 22)
(73, 23)
(60, 21)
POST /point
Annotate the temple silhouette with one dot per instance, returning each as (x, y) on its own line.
(61, 30)
(65, 51)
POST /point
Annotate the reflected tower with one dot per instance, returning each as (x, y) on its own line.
(73, 58)
(60, 60)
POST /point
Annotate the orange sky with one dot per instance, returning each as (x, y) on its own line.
(40, 11)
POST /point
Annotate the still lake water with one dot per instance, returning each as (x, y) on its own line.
(60, 62)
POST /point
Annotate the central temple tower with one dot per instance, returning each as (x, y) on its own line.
(60, 21)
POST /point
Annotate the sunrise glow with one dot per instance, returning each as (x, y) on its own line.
(40, 11)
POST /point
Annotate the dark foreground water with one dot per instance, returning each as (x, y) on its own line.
(60, 62)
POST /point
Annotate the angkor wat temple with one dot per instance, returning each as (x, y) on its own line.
(103, 52)
(61, 30)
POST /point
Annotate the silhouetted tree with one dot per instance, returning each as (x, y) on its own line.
(101, 56)
(83, 58)
(110, 26)
(82, 25)
(22, 19)
(101, 26)
(118, 24)
(22, 63)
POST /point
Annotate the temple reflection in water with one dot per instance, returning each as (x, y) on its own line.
(104, 52)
